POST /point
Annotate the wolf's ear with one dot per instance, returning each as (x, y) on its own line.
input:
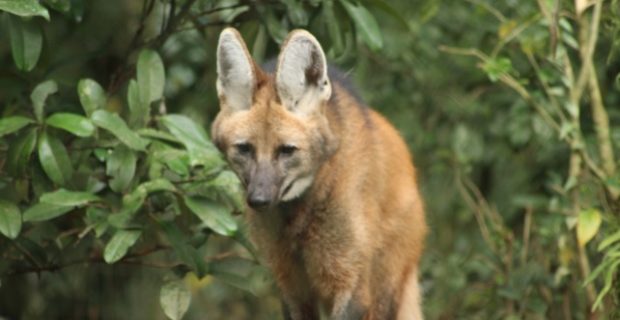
(301, 75)
(236, 73)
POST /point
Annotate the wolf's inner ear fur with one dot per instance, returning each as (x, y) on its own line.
(236, 76)
(301, 75)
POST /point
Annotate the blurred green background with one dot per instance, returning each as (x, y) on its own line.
(511, 109)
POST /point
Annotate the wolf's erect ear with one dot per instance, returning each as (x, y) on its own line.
(236, 74)
(301, 75)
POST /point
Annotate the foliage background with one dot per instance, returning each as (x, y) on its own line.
(510, 108)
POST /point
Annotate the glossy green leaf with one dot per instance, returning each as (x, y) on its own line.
(184, 251)
(134, 200)
(386, 7)
(333, 27)
(54, 159)
(121, 166)
(157, 134)
(609, 281)
(24, 8)
(609, 240)
(187, 131)
(26, 42)
(71, 122)
(230, 188)
(296, 12)
(175, 298)
(588, 223)
(365, 24)
(214, 215)
(151, 76)
(239, 272)
(119, 245)
(18, 156)
(12, 124)
(274, 26)
(10, 219)
(40, 94)
(63, 6)
(158, 185)
(92, 96)
(45, 211)
(63, 197)
(96, 219)
(496, 68)
(117, 126)
(138, 109)
(176, 160)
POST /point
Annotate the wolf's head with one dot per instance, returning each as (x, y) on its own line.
(273, 129)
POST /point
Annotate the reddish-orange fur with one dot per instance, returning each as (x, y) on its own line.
(352, 243)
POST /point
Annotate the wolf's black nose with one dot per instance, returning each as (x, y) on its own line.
(257, 202)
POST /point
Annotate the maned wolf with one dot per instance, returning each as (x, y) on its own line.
(332, 197)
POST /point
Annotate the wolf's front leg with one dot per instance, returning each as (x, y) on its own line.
(299, 309)
(348, 306)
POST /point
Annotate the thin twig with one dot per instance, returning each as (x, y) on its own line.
(93, 259)
(527, 227)
(218, 9)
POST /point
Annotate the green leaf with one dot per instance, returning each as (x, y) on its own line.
(158, 185)
(45, 211)
(54, 159)
(609, 279)
(214, 215)
(333, 27)
(296, 12)
(151, 76)
(277, 31)
(10, 219)
(609, 240)
(184, 251)
(139, 110)
(496, 68)
(19, 152)
(24, 8)
(365, 25)
(12, 124)
(63, 6)
(157, 134)
(387, 8)
(176, 160)
(40, 94)
(96, 219)
(175, 299)
(229, 186)
(185, 129)
(63, 197)
(117, 126)
(121, 166)
(120, 243)
(132, 202)
(588, 223)
(26, 42)
(92, 96)
(76, 124)
(239, 272)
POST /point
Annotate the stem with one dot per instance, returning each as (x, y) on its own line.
(601, 122)
(92, 259)
(527, 227)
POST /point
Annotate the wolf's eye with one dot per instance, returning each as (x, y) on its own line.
(286, 149)
(244, 148)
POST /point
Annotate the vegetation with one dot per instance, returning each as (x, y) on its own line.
(114, 203)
